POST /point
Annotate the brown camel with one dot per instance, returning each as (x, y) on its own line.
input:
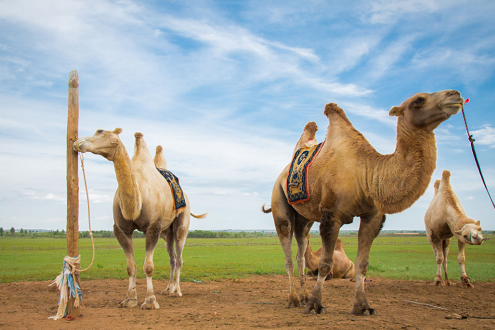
(143, 201)
(342, 267)
(445, 218)
(349, 178)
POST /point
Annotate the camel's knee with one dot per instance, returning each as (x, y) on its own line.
(131, 270)
(324, 270)
(363, 266)
(440, 259)
(148, 268)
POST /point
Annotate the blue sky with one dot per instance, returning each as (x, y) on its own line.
(226, 88)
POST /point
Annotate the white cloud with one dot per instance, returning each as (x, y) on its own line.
(485, 136)
(389, 11)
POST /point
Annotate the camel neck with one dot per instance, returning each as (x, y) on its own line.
(127, 190)
(396, 181)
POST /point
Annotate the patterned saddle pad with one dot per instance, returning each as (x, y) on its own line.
(173, 181)
(297, 185)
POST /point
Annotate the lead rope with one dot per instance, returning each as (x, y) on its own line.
(471, 140)
(89, 218)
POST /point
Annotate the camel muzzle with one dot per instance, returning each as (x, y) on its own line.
(77, 145)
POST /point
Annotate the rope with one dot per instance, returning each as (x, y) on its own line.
(89, 218)
(471, 140)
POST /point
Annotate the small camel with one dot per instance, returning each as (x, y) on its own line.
(143, 201)
(445, 218)
(348, 179)
(342, 267)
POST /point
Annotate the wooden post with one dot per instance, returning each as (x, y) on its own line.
(73, 180)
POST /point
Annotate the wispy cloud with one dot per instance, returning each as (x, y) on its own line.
(485, 136)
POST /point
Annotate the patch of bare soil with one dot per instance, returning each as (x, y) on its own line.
(254, 302)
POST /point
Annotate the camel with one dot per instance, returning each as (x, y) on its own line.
(342, 267)
(444, 219)
(350, 178)
(143, 201)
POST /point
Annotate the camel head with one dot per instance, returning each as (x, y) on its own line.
(104, 143)
(427, 111)
(470, 234)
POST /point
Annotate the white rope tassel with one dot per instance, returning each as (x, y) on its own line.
(66, 283)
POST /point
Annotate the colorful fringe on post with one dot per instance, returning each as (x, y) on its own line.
(66, 283)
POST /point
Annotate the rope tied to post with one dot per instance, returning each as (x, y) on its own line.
(67, 280)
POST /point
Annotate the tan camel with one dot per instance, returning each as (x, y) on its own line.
(445, 218)
(143, 201)
(342, 267)
(350, 178)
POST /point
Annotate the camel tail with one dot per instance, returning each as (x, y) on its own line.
(201, 216)
(266, 210)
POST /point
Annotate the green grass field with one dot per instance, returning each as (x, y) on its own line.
(405, 258)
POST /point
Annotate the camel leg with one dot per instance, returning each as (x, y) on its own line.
(368, 229)
(168, 236)
(180, 229)
(152, 234)
(461, 258)
(437, 246)
(445, 251)
(125, 242)
(301, 230)
(284, 218)
(329, 231)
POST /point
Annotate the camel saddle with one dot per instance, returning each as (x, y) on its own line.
(297, 185)
(173, 181)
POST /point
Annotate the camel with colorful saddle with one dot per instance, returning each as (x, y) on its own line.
(143, 201)
(349, 178)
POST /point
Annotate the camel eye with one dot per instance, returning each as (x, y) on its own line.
(419, 101)
(466, 237)
(100, 131)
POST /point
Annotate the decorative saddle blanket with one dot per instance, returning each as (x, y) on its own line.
(297, 185)
(173, 181)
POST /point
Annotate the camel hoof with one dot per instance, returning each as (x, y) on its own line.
(363, 311)
(466, 283)
(128, 303)
(175, 293)
(314, 307)
(150, 303)
(438, 283)
(294, 301)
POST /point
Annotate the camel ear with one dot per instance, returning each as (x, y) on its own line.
(396, 111)
(478, 223)
(458, 232)
(117, 130)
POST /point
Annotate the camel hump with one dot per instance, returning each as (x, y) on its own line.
(311, 128)
(138, 135)
(339, 246)
(332, 108)
(436, 185)
(445, 175)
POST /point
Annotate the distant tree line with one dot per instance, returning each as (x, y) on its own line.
(192, 234)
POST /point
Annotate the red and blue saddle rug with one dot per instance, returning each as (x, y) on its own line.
(297, 185)
(173, 181)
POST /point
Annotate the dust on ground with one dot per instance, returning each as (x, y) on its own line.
(253, 302)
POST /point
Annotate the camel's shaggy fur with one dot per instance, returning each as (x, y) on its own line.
(342, 267)
(349, 178)
(143, 201)
(444, 219)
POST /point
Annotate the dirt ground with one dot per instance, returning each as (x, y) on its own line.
(254, 302)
